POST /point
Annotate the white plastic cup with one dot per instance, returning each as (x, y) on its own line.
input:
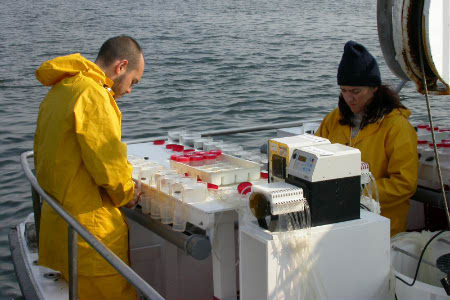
(148, 174)
(179, 217)
(194, 192)
(174, 135)
(198, 143)
(188, 139)
(166, 210)
(146, 203)
(154, 208)
(422, 129)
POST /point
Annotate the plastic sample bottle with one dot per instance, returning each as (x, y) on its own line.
(174, 135)
(421, 146)
(422, 129)
(209, 159)
(196, 161)
(183, 159)
(218, 153)
(178, 148)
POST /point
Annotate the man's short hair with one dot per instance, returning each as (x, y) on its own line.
(118, 48)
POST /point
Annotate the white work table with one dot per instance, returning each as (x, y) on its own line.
(216, 217)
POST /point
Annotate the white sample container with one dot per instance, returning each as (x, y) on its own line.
(194, 192)
(187, 139)
(427, 285)
(422, 129)
(198, 143)
(145, 203)
(339, 256)
(180, 216)
(174, 135)
(243, 171)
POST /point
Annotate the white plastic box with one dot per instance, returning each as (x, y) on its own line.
(247, 171)
(349, 259)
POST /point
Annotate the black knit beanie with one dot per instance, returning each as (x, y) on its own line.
(358, 67)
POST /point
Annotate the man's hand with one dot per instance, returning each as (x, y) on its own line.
(135, 200)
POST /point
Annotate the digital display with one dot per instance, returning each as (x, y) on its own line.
(301, 158)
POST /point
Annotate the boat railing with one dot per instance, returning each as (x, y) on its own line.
(75, 228)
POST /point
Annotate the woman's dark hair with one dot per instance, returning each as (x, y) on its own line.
(384, 101)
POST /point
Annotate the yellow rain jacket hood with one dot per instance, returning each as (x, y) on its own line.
(81, 161)
(389, 146)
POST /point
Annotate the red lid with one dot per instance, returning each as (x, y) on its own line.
(446, 145)
(188, 150)
(178, 148)
(209, 156)
(216, 152)
(444, 130)
(159, 142)
(174, 156)
(170, 146)
(264, 175)
(212, 186)
(435, 128)
(437, 145)
(196, 158)
(422, 142)
(183, 159)
(189, 153)
(201, 152)
(422, 126)
(244, 187)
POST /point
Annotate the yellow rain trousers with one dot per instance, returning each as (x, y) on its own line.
(81, 161)
(389, 146)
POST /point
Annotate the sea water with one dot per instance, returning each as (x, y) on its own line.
(210, 65)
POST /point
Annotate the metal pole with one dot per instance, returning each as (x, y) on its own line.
(197, 246)
(413, 256)
(73, 263)
(400, 86)
(37, 212)
(234, 131)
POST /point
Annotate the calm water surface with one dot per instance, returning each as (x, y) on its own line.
(209, 65)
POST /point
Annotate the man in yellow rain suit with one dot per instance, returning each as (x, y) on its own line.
(81, 161)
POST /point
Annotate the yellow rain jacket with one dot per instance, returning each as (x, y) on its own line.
(81, 161)
(389, 146)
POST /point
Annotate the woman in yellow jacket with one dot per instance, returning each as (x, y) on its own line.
(81, 161)
(370, 117)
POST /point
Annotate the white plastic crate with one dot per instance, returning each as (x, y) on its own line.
(248, 171)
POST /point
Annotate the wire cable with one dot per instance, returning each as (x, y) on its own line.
(420, 260)
(364, 207)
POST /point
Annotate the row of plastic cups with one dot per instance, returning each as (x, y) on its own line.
(164, 211)
(188, 190)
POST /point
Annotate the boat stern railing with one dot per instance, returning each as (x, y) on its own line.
(75, 228)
